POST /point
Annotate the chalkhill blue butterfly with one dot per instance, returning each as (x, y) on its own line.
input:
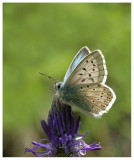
(84, 84)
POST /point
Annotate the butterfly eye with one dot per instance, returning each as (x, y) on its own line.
(58, 86)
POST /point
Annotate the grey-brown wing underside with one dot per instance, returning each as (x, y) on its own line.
(96, 100)
(83, 52)
(91, 69)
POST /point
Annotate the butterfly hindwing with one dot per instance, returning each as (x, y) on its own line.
(95, 100)
(91, 69)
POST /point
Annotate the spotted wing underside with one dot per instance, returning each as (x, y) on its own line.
(96, 100)
(93, 96)
(91, 69)
(83, 52)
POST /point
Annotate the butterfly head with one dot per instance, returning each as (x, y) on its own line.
(58, 85)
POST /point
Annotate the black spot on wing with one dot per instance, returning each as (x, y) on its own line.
(84, 69)
(92, 79)
(83, 80)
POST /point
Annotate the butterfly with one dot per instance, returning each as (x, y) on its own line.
(84, 84)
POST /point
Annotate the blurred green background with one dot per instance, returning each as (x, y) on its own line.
(45, 37)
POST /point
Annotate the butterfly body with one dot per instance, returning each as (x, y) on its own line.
(84, 84)
(65, 93)
(69, 95)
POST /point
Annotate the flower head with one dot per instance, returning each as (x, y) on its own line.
(62, 133)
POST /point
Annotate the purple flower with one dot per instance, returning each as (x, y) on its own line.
(62, 132)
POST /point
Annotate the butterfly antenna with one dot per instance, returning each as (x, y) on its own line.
(49, 76)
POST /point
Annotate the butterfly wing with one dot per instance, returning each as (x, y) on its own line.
(83, 52)
(93, 96)
(91, 69)
(96, 100)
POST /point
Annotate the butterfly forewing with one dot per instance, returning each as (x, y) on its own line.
(91, 69)
(83, 52)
